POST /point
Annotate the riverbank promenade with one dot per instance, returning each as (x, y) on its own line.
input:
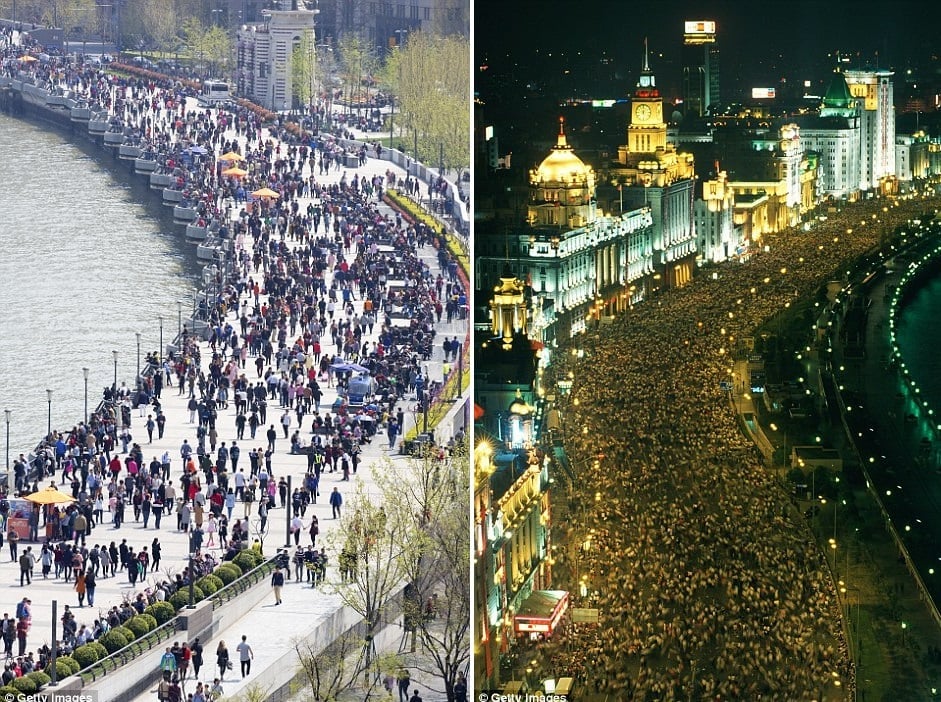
(270, 628)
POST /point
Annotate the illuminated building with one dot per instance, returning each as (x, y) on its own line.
(835, 135)
(717, 237)
(911, 156)
(511, 546)
(578, 262)
(700, 67)
(651, 173)
(874, 91)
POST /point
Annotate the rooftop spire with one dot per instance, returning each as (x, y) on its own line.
(646, 62)
(562, 142)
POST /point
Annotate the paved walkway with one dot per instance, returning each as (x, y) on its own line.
(270, 629)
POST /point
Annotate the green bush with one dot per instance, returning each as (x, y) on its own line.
(8, 692)
(139, 625)
(128, 633)
(245, 561)
(86, 655)
(207, 586)
(74, 667)
(40, 678)
(228, 573)
(102, 651)
(25, 685)
(114, 640)
(179, 600)
(150, 619)
(214, 579)
(162, 612)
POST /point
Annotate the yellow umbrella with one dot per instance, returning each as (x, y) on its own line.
(265, 192)
(235, 171)
(28, 58)
(231, 156)
(49, 496)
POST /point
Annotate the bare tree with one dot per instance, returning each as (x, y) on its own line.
(429, 493)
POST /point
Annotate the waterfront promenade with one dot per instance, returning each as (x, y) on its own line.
(269, 629)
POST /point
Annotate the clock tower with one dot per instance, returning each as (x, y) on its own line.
(647, 131)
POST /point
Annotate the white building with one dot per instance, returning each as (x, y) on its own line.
(836, 136)
(264, 72)
(874, 91)
(717, 238)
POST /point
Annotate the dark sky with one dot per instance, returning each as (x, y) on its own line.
(800, 29)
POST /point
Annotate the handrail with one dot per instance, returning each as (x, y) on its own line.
(135, 648)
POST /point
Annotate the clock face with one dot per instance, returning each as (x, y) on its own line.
(642, 113)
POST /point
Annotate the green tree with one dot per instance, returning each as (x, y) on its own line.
(304, 70)
(357, 64)
(428, 78)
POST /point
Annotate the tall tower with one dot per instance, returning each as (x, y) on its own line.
(873, 89)
(700, 67)
(647, 131)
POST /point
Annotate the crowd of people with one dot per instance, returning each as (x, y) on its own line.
(708, 579)
(323, 288)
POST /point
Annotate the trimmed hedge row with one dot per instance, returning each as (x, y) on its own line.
(138, 626)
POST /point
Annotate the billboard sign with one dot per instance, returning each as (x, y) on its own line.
(762, 93)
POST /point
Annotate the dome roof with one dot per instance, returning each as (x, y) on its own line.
(838, 93)
(562, 163)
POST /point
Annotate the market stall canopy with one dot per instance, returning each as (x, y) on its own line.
(49, 496)
(231, 156)
(541, 612)
(235, 171)
(347, 367)
(265, 192)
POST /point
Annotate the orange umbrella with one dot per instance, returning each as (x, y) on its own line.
(235, 171)
(266, 192)
(49, 496)
(28, 58)
(231, 156)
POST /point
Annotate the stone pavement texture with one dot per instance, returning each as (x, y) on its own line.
(269, 628)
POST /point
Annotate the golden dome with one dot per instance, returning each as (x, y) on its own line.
(562, 164)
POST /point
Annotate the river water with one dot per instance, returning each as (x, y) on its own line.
(919, 338)
(87, 260)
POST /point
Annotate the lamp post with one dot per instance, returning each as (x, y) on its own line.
(179, 319)
(49, 414)
(115, 386)
(189, 574)
(7, 413)
(160, 319)
(137, 382)
(85, 375)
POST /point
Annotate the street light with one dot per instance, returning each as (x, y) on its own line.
(179, 320)
(85, 374)
(115, 386)
(137, 381)
(160, 318)
(7, 413)
(49, 414)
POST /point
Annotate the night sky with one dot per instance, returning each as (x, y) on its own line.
(758, 41)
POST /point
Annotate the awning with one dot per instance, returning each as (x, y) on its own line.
(541, 612)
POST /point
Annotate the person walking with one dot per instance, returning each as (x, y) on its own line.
(404, 680)
(222, 659)
(25, 568)
(168, 664)
(336, 501)
(79, 588)
(277, 582)
(90, 584)
(245, 656)
(196, 657)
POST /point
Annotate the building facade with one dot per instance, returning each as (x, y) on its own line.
(700, 67)
(265, 56)
(874, 91)
(651, 173)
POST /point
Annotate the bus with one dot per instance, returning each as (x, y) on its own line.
(214, 92)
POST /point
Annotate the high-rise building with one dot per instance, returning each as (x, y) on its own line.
(873, 89)
(700, 67)
(835, 135)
